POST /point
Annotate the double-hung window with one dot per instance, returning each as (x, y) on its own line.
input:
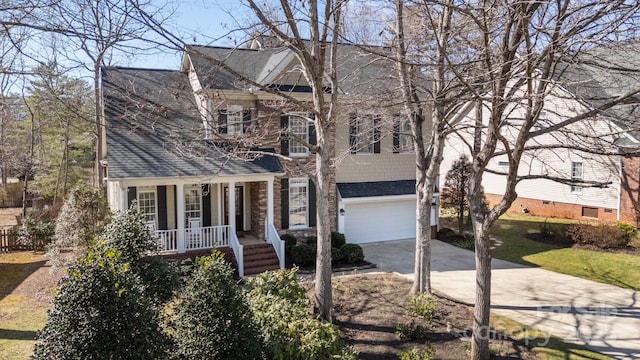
(577, 174)
(299, 135)
(192, 204)
(234, 120)
(364, 136)
(405, 141)
(298, 203)
(147, 204)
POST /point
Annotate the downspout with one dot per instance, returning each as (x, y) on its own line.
(619, 187)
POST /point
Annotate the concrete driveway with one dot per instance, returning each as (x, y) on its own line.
(602, 317)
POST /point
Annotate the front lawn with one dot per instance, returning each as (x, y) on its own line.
(25, 291)
(610, 268)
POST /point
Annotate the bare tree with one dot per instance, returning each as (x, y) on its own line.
(524, 50)
(429, 40)
(100, 29)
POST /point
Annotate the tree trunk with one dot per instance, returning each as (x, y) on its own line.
(323, 301)
(482, 308)
(422, 268)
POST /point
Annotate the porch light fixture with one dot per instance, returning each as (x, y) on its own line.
(342, 212)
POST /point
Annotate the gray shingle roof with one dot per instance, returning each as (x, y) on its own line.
(154, 129)
(376, 188)
(359, 72)
(599, 75)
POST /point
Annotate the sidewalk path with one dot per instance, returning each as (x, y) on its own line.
(602, 317)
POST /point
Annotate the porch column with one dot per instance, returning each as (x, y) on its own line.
(232, 206)
(122, 194)
(180, 216)
(270, 201)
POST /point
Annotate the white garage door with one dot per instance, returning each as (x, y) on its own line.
(380, 221)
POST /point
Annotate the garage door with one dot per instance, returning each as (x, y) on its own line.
(380, 221)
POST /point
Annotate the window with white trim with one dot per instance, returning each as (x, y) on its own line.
(298, 203)
(365, 133)
(234, 120)
(577, 174)
(299, 130)
(192, 203)
(404, 136)
(147, 204)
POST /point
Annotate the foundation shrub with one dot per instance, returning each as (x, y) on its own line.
(352, 253)
(303, 254)
(337, 239)
(602, 236)
(290, 242)
(281, 310)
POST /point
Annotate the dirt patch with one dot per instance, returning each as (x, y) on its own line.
(9, 217)
(368, 309)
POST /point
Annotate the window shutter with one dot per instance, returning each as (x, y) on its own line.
(162, 207)
(396, 134)
(312, 203)
(206, 205)
(222, 122)
(132, 194)
(284, 142)
(284, 202)
(376, 134)
(352, 133)
(175, 205)
(312, 133)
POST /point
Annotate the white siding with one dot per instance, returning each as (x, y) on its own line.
(556, 163)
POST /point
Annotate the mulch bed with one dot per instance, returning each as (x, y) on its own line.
(368, 308)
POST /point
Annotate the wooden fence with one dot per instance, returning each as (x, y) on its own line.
(9, 241)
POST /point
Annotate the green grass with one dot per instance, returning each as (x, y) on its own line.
(21, 315)
(543, 344)
(610, 268)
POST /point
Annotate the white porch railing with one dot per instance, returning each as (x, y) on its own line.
(199, 238)
(272, 237)
(167, 240)
(238, 251)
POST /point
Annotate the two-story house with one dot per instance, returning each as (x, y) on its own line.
(213, 161)
(599, 151)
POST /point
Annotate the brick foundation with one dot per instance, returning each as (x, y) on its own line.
(554, 209)
(630, 189)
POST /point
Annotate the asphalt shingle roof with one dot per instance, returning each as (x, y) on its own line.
(376, 188)
(600, 74)
(359, 72)
(154, 129)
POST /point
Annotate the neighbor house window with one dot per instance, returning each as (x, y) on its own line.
(147, 204)
(299, 130)
(576, 175)
(192, 205)
(298, 202)
(590, 212)
(503, 163)
(364, 136)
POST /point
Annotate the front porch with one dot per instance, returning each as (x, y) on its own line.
(256, 256)
(200, 215)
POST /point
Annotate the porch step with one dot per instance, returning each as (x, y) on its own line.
(260, 258)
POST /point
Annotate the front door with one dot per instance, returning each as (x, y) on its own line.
(239, 207)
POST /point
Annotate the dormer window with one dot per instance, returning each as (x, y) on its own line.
(232, 120)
